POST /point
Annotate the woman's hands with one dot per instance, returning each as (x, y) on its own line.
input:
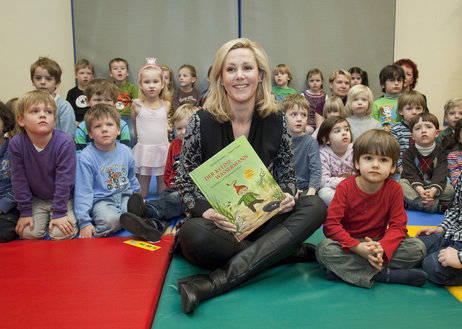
(219, 220)
(287, 204)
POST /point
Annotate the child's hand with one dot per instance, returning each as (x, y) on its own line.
(287, 204)
(449, 257)
(63, 223)
(219, 220)
(87, 232)
(372, 251)
(22, 223)
(429, 231)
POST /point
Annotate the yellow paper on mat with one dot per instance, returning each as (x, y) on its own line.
(142, 244)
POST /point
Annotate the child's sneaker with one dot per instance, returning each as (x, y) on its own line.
(442, 206)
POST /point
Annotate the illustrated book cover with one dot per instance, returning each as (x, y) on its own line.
(239, 186)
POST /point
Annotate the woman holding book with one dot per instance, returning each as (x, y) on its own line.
(239, 103)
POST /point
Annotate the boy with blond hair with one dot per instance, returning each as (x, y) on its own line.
(106, 92)
(149, 220)
(105, 175)
(306, 160)
(118, 71)
(43, 171)
(84, 73)
(410, 104)
(425, 168)
(282, 77)
(45, 74)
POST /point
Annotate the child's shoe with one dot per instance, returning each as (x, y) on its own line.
(140, 226)
(136, 205)
(442, 206)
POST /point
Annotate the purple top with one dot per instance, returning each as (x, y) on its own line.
(47, 175)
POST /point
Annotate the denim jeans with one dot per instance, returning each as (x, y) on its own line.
(106, 213)
(438, 274)
(166, 207)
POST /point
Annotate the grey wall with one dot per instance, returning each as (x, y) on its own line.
(303, 34)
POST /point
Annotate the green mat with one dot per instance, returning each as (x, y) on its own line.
(299, 296)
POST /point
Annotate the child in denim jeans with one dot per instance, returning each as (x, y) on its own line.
(443, 263)
(105, 176)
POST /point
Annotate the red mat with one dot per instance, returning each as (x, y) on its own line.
(81, 283)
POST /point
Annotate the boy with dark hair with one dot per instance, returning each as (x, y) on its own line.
(43, 171)
(45, 74)
(385, 109)
(105, 175)
(84, 73)
(425, 168)
(365, 228)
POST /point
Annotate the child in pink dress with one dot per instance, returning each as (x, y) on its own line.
(149, 113)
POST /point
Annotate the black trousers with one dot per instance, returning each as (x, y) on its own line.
(205, 245)
(8, 223)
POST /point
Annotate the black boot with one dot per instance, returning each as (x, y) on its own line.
(266, 251)
(140, 226)
(272, 247)
(136, 205)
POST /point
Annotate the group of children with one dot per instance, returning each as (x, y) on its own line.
(367, 184)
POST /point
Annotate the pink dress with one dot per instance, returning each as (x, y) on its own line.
(150, 152)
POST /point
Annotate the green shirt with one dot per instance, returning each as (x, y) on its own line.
(385, 111)
(281, 93)
(127, 93)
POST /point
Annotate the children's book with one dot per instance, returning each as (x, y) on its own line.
(239, 186)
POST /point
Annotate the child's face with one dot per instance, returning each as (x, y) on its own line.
(298, 120)
(333, 113)
(340, 86)
(409, 111)
(339, 138)
(356, 79)
(151, 83)
(98, 99)
(104, 132)
(424, 133)
(37, 120)
(314, 83)
(408, 76)
(454, 114)
(360, 104)
(243, 191)
(84, 76)
(166, 77)
(374, 168)
(185, 78)
(44, 81)
(119, 72)
(180, 127)
(393, 86)
(281, 79)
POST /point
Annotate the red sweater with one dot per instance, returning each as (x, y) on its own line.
(355, 214)
(172, 157)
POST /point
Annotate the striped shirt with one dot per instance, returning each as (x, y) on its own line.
(452, 222)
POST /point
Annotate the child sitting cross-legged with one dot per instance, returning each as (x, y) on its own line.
(443, 262)
(149, 220)
(105, 175)
(365, 228)
(425, 168)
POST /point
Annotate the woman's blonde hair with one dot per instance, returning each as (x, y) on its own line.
(354, 92)
(217, 101)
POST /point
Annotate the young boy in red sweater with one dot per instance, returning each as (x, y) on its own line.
(366, 231)
(150, 219)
